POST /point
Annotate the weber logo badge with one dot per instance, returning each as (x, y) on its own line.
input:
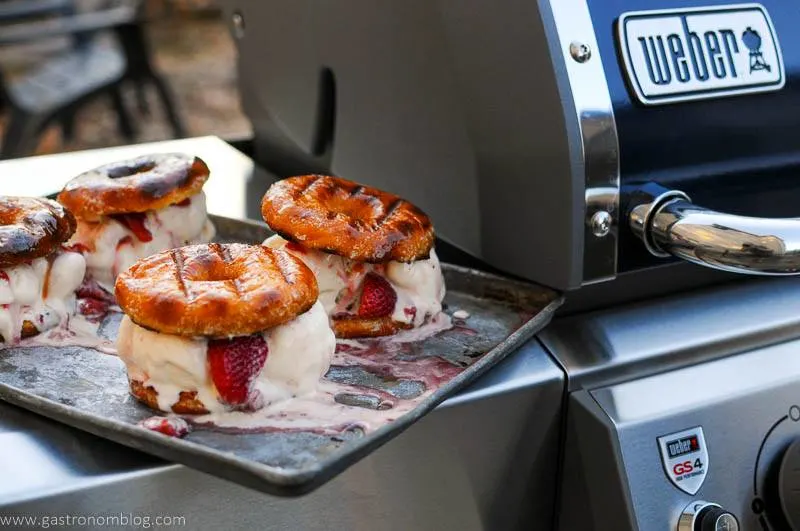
(685, 458)
(689, 54)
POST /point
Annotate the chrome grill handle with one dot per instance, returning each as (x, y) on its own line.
(670, 225)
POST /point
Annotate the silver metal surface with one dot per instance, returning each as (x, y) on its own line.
(744, 404)
(688, 517)
(503, 315)
(722, 359)
(665, 333)
(599, 149)
(728, 242)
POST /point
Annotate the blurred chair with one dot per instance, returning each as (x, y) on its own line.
(109, 50)
(11, 10)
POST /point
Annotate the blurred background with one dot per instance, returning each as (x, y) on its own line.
(79, 74)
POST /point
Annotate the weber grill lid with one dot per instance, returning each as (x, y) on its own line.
(565, 142)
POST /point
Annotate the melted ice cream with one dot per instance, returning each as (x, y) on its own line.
(42, 292)
(419, 285)
(300, 353)
(113, 247)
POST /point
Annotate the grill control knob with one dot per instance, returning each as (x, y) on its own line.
(704, 516)
(789, 485)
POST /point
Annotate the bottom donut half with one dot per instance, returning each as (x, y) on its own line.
(187, 403)
(354, 327)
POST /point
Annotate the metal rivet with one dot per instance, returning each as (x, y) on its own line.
(238, 25)
(580, 52)
(601, 223)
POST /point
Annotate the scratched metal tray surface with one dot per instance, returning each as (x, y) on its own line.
(86, 389)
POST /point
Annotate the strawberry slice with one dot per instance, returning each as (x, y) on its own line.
(93, 309)
(4, 276)
(234, 364)
(134, 222)
(172, 426)
(377, 297)
(90, 289)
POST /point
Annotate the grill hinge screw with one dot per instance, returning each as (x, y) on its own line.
(580, 51)
(601, 223)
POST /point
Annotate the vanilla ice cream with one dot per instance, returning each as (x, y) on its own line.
(42, 292)
(300, 353)
(113, 247)
(419, 285)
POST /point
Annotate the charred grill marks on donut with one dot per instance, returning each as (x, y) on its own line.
(306, 186)
(150, 182)
(216, 290)
(348, 219)
(389, 211)
(128, 168)
(225, 255)
(280, 263)
(177, 259)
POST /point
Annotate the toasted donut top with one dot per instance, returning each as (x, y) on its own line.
(216, 290)
(150, 182)
(31, 228)
(341, 217)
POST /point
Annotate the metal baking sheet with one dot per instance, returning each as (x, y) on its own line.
(86, 389)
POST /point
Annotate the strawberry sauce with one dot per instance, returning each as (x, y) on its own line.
(76, 248)
(134, 222)
(127, 240)
(169, 426)
(93, 302)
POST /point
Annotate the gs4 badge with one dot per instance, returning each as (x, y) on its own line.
(708, 52)
(685, 458)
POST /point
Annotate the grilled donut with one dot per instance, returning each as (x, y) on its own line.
(353, 326)
(216, 290)
(150, 182)
(187, 404)
(31, 228)
(341, 217)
